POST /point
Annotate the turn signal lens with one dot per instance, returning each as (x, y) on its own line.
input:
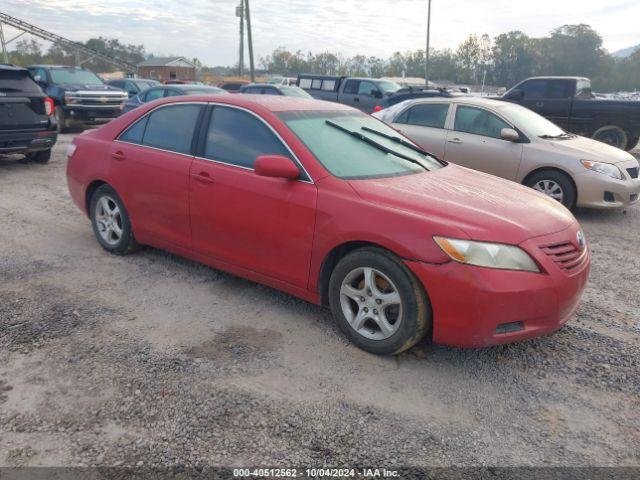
(485, 254)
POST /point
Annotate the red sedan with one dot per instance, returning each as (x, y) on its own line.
(333, 206)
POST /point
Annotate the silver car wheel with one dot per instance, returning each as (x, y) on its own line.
(371, 303)
(108, 219)
(551, 189)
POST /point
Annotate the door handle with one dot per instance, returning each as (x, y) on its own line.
(118, 156)
(539, 104)
(455, 140)
(202, 177)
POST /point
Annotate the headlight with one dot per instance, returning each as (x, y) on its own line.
(605, 168)
(483, 254)
(70, 100)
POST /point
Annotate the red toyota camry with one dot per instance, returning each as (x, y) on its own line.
(335, 207)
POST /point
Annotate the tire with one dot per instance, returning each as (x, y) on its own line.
(110, 221)
(611, 135)
(631, 143)
(553, 181)
(40, 157)
(61, 117)
(405, 321)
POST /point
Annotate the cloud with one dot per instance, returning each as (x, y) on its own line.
(208, 29)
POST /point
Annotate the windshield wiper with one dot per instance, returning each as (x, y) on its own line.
(374, 144)
(398, 140)
(560, 135)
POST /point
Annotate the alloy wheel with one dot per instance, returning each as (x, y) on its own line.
(108, 219)
(371, 303)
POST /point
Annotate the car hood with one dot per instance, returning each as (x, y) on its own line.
(483, 206)
(588, 149)
(73, 87)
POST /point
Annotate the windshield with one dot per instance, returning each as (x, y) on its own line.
(345, 155)
(71, 75)
(529, 122)
(295, 92)
(388, 87)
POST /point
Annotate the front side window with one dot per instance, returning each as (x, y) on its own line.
(534, 89)
(479, 122)
(425, 115)
(558, 89)
(154, 94)
(238, 138)
(346, 156)
(253, 90)
(161, 131)
(367, 88)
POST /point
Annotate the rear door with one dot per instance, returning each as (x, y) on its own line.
(22, 104)
(149, 167)
(424, 123)
(257, 223)
(475, 143)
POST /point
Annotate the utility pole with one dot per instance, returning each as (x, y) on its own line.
(240, 13)
(4, 45)
(426, 60)
(250, 41)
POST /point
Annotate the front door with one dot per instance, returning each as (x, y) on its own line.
(262, 224)
(475, 142)
(151, 162)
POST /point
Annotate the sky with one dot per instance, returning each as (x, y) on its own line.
(208, 29)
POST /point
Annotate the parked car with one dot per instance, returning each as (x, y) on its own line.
(168, 91)
(331, 205)
(408, 93)
(81, 98)
(133, 86)
(270, 89)
(512, 142)
(570, 103)
(283, 81)
(27, 124)
(232, 86)
(361, 93)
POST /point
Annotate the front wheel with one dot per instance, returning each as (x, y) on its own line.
(110, 221)
(612, 135)
(378, 303)
(554, 184)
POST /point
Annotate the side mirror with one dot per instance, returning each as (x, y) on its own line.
(132, 93)
(276, 166)
(37, 78)
(516, 94)
(376, 93)
(509, 134)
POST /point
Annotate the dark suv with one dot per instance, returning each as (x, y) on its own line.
(27, 124)
(81, 98)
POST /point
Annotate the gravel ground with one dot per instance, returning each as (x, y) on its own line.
(153, 360)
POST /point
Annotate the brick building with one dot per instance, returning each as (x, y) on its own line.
(167, 68)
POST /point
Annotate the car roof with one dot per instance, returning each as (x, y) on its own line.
(272, 103)
(463, 99)
(191, 86)
(557, 77)
(11, 67)
(56, 66)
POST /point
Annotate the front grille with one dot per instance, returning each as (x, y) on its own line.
(566, 255)
(633, 172)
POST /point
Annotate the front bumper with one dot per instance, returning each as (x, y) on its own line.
(27, 141)
(471, 305)
(91, 114)
(596, 190)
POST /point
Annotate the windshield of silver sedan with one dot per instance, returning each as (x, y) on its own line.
(354, 145)
(532, 123)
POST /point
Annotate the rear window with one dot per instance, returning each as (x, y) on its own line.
(20, 81)
(305, 83)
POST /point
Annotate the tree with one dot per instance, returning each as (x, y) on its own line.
(468, 56)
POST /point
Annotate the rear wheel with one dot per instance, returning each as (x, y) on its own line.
(39, 157)
(110, 220)
(612, 135)
(378, 303)
(554, 184)
(631, 143)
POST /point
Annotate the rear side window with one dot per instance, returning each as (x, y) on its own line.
(351, 86)
(20, 81)
(426, 115)
(316, 83)
(305, 83)
(238, 138)
(252, 90)
(328, 85)
(135, 132)
(479, 122)
(161, 131)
